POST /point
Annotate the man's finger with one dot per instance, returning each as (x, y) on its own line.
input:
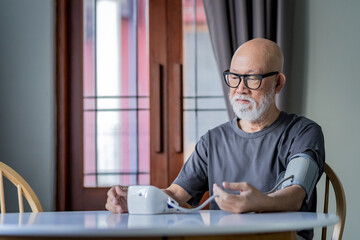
(112, 196)
(123, 204)
(224, 196)
(111, 192)
(112, 208)
(217, 190)
(225, 200)
(121, 190)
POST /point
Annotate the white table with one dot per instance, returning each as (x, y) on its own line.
(172, 226)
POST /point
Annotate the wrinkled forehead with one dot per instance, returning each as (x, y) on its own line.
(251, 62)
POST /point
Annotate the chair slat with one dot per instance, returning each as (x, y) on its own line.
(326, 201)
(326, 205)
(20, 199)
(2, 195)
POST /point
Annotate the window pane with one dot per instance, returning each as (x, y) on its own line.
(144, 142)
(189, 133)
(89, 148)
(212, 103)
(204, 104)
(116, 93)
(108, 47)
(208, 121)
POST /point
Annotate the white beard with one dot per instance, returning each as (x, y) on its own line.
(252, 111)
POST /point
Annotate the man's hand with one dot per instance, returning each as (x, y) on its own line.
(249, 199)
(252, 200)
(117, 199)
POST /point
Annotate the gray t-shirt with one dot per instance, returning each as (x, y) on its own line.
(226, 153)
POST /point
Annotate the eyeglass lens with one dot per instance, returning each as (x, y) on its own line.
(250, 81)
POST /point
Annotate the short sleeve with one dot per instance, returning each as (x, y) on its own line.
(193, 176)
(309, 140)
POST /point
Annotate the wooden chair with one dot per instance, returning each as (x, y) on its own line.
(23, 188)
(340, 203)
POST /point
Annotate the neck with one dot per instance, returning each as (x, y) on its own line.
(264, 121)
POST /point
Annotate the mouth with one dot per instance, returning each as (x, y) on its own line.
(242, 101)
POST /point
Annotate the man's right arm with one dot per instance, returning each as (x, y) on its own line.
(117, 197)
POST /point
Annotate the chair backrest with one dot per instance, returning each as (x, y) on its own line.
(23, 188)
(340, 203)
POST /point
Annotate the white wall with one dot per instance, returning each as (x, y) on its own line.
(326, 86)
(27, 94)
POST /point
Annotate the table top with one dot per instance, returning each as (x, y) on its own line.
(103, 223)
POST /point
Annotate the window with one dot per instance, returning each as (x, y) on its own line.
(92, 117)
(116, 93)
(204, 103)
(119, 120)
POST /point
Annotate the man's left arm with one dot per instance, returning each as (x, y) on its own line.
(302, 174)
(252, 200)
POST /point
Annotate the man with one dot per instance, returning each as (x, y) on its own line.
(243, 159)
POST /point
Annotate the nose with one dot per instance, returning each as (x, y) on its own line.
(242, 89)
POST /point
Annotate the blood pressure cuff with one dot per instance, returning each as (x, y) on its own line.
(305, 171)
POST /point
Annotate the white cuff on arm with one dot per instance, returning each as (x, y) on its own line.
(305, 171)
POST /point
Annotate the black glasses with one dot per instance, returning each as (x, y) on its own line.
(252, 81)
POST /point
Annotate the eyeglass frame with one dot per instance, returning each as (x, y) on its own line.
(243, 76)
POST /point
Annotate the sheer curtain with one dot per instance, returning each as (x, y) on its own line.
(233, 22)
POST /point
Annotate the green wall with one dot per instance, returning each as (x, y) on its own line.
(325, 87)
(27, 95)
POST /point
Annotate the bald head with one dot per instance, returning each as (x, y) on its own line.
(257, 105)
(259, 54)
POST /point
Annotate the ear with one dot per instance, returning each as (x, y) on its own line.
(280, 82)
